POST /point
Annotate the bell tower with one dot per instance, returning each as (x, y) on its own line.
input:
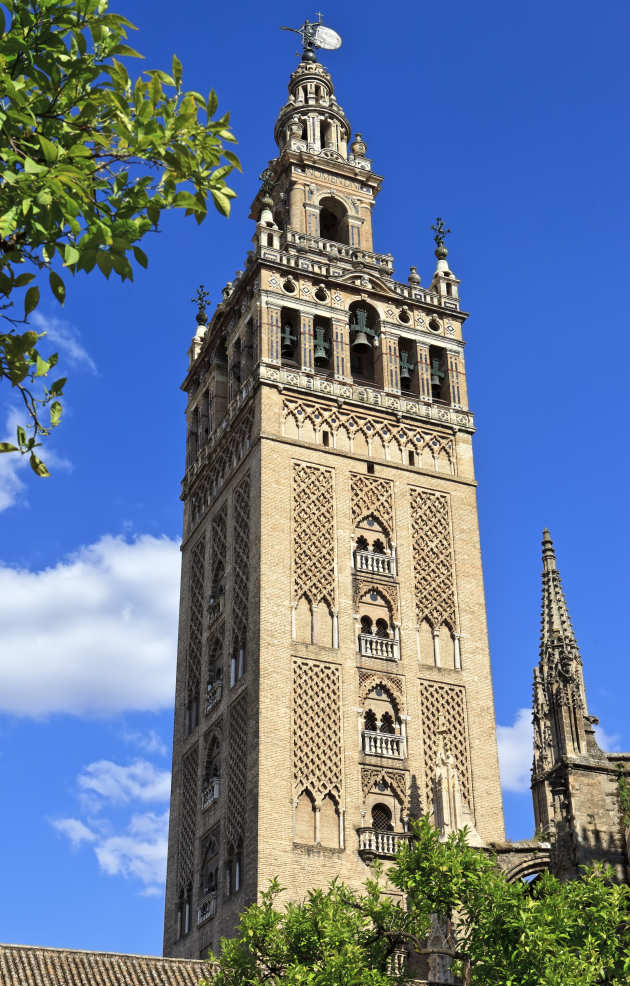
(333, 675)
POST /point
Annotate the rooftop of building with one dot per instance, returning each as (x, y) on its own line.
(32, 965)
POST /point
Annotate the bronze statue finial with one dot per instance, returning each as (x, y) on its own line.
(201, 299)
(440, 231)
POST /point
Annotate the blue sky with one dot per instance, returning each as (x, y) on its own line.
(511, 122)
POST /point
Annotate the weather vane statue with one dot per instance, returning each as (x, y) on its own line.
(314, 35)
(441, 232)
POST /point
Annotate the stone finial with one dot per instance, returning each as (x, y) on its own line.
(358, 146)
(414, 277)
(201, 299)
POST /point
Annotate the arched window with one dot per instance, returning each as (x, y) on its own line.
(382, 628)
(233, 870)
(378, 546)
(371, 722)
(362, 543)
(333, 220)
(387, 723)
(366, 624)
(210, 868)
(382, 818)
(184, 911)
(213, 760)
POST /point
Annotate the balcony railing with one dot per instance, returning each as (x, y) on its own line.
(374, 562)
(374, 842)
(210, 793)
(207, 908)
(215, 693)
(384, 745)
(384, 647)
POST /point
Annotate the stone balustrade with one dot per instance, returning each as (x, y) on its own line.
(215, 694)
(384, 744)
(374, 842)
(207, 908)
(374, 562)
(210, 792)
(384, 648)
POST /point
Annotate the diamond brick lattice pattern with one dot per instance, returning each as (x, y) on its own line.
(237, 771)
(443, 707)
(187, 819)
(371, 495)
(240, 541)
(219, 541)
(195, 633)
(316, 729)
(432, 558)
(313, 535)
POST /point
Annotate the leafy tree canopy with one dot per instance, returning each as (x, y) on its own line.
(89, 161)
(501, 934)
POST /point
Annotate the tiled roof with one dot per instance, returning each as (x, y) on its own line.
(28, 965)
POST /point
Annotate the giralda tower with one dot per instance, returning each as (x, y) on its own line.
(333, 676)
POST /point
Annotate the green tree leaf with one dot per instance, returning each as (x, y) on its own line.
(57, 286)
(38, 466)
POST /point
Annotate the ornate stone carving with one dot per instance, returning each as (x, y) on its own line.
(394, 438)
(395, 779)
(432, 558)
(313, 535)
(187, 820)
(237, 771)
(224, 458)
(317, 729)
(195, 632)
(443, 711)
(372, 495)
(240, 542)
(370, 679)
(361, 584)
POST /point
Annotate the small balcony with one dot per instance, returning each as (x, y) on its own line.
(385, 648)
(374, 563)
(215, 694)
(210, 793)
(384, 745)
(207, 908)
(374, 842)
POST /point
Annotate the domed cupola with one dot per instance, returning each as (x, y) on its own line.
(312, 120)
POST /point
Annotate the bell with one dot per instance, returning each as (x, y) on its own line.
(321, 346)
(437, 373)
(360, 340)
(406, 368)
(288, 341)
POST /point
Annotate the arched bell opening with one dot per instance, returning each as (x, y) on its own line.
(333, 220)
(364, 327)
(290, 337)
(408, 366)
(322, 345)
(438, 370)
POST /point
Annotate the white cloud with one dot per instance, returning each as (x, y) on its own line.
(74, 829)
(607, 741)
(139, 852)
(13, 465)
(139, 781)
(133, 846)
(65, 340)
(95, 634)
(515, 752)
(148, 741)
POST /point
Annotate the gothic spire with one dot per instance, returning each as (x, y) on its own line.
(555, 622)
(562, 725)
